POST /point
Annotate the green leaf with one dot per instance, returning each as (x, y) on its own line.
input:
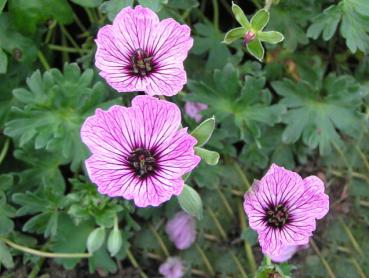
(260, 20)
(5, 257)
(203, 131)
(190, 202)
(209, 41)
(240, 16)
(256, 49)
(115, 241)
(325, 23)
(155, 5)
(113, 7)
(234, 34)
(50, 113)
(210, 157)
(88, 3)
(26, 15)
(315, 114)
(272, 37)
(3, 62)
(96, 239)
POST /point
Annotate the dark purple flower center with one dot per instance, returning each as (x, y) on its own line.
(141, 63)
(277, 216)
(142, 162)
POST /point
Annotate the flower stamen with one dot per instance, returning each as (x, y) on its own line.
(141, 63)
(143, 162)
(277, 216)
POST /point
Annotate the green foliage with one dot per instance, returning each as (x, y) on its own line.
(315, 113)
(51, 111)
(354, 28)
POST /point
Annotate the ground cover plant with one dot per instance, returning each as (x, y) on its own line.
(168, 138)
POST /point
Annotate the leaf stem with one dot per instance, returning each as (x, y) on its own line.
(239, 265)
(43, 60)
(242, 175)
(351, 237)
(42, 253)
(226, 203)
(247, 246)
(324, 262)
(70, 38)
(66, 49)
(160, 241)
(223, 234)
(135, 264)
(4, 150)
(268, 4)
(216, 14)
(205, 259)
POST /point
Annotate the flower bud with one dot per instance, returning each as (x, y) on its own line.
(181, 230)
(249, 36)
(172, 268)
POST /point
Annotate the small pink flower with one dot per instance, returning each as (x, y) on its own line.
(172, 268)
(140, 53)
(138, 152)
(249, 36)
(287, 253)
(193, 110)
(282, 207)
(181, 230)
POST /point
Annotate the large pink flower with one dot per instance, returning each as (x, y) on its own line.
(140, 53)
(282, 207)
(139, 152)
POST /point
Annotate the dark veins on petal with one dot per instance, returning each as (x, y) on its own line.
(276, 216)
(143, 163)
(141, 62)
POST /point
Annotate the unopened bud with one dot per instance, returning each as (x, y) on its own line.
(249, 36)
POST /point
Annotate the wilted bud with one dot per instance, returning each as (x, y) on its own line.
(172, 268)
(193, 110)
(249, 36)
(181, 230)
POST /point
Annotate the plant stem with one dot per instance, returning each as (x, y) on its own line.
(36, 269)
(66, 49)
(70, 38)
(239, 265)
(268, 4)
(363, 157)
(135, 264)
(160, 241)
(324, 262)
(44, 254)
(358, 268)
(216, 14)
(4, 150)
(242, 175)
(247, 246)
(223, 234)
(226, 203)
(351, 237)
(205, 259)
(43, 60)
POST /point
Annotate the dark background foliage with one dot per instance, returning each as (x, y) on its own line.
(305, 107)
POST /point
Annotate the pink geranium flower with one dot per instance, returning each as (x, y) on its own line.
(193, 110)
(172, 268)
(181, 230)
(282, 207)
(140, 53)
(139, 152)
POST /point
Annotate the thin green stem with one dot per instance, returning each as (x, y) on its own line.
(359, 270)
(133, 261)
(363, 157)
(226, 203)
(89, 15)
(205, 259)
(36, 269)
(43, 60)
(64, 44)
(216, 14)
(268, 4)
(239, 265)
(160, 241)
(223, 234)
(66, 49)
(344, 158)
(4, 150)
(42, 253)
(323, 260)
(70, 38)
(247, 246)
(79, 23)
(349, 234)
(242, 175)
